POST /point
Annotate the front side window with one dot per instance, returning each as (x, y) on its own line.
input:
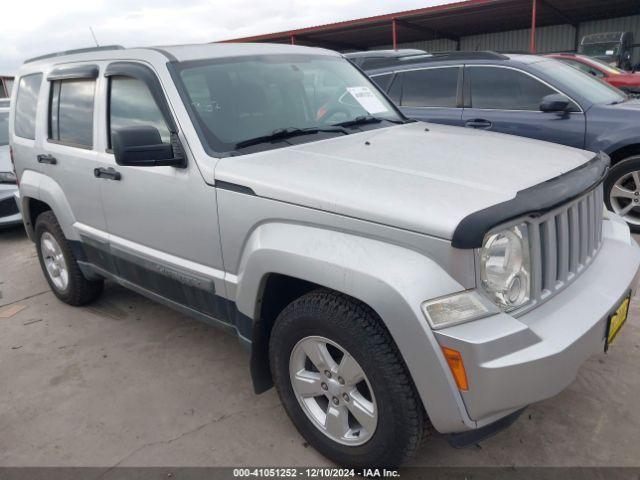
(238, 99)
(27, 105)
(71, 112)
(433, 87)
(506, 89)
(4, 128)
(131, 105)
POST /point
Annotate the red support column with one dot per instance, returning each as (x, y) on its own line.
(534, 15)
(394, 32)
(293, 39)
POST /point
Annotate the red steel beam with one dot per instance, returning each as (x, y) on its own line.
(534, 14)
(394, 32)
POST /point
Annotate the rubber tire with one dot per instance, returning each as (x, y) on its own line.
(402, 424)
(621, 168)
(79, 291)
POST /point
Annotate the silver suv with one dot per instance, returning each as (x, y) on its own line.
(388, 276)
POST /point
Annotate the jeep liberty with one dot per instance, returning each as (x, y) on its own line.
(388, 276)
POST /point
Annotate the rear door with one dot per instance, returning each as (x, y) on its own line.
(69, 153)
(507, 100)
(429, 94)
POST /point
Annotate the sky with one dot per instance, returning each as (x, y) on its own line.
(35, 27)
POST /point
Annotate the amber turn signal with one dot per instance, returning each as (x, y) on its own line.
(454, 359)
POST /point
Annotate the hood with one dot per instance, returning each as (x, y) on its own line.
(5, 159)
(404, 176)
(630, 107)
(626, 79)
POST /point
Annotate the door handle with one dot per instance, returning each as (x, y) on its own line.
(479, 123)
(108, 173)
(48, 159)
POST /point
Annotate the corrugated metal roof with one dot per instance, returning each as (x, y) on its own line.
(455, 21)
(557, 38)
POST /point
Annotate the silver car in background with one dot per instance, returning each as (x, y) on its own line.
(9, 196)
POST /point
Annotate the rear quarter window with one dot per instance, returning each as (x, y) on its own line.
(27, 106)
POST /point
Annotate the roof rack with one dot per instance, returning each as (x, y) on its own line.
(360, 58)
(72, 52)
(433, 57)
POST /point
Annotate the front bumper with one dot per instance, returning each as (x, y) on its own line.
(512, 362)
(9, 205)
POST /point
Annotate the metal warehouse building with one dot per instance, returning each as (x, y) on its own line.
(541, 26)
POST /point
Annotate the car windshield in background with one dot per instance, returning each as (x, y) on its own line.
(601, 49)
(4, 128)
(590, 88)
(268, 100)
(605, 66)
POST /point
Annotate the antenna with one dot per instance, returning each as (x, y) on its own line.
(94, 37)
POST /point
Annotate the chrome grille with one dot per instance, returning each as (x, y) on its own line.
(564, 242)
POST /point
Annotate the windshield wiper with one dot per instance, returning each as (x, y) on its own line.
(363, 120)
(284, 133)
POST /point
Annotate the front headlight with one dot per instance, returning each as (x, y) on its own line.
(505, 267)
(8, 177)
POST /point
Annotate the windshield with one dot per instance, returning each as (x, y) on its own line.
(239, 99)
(606, 67)
(602, 50)
(587, 86)
(4, 128)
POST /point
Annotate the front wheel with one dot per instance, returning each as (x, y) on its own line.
(622, 191)
(342, 381)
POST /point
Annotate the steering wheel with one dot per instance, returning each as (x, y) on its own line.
(326, 113)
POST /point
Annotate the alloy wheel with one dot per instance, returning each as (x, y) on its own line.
(54, 261)
(333, 390)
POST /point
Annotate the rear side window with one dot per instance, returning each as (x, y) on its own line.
(27, 105)
(383, 81)
(131, 104)
(505, 89)
(434, 87)
(71, 112)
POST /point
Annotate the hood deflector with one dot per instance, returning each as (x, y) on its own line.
(535, 200)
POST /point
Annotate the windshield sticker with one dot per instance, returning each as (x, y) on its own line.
(367, 99)
(609, 52)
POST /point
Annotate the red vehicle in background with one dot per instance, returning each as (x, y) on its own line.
(625, 81)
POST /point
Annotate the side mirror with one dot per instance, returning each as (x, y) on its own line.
(142, 146)
(555, 103)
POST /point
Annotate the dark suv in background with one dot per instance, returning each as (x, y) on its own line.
(524, 95)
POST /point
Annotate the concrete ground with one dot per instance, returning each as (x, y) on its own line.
(129, 382)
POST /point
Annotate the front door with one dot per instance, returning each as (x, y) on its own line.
(162, 220)
(507, 100)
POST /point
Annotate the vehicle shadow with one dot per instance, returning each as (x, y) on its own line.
(11, 236)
